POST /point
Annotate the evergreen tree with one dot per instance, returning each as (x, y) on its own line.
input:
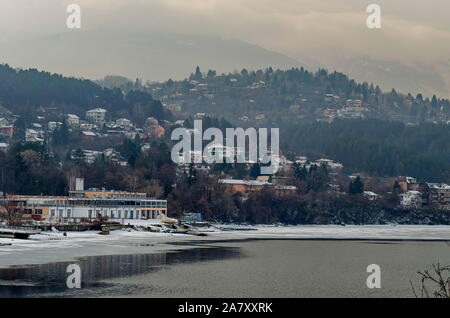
(356, 186)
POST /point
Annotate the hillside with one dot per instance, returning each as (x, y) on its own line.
(29, 92)
(276, 96)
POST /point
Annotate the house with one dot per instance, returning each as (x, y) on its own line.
(435, 194)
(96, 115)
(3, 146)
(146, 147)
(124, 123)
(88, 134)
(173, 107)
(7, 131)
(372, 196)
(88, 127)
(200, 115)
(411, 199)
(248, 186)
(115, 157)
(32, 135)
(353, 103)
(328, 163)
(53, 125)
(219, 151)
(3, 122)
(73, 120)
(89, 156)
(408, 184)
(153, 128)
(243, 186)
(151, 121)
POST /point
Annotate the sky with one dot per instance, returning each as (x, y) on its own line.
(315, 32)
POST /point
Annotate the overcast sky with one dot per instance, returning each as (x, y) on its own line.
(312, 31)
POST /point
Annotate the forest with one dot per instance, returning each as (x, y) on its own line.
(376, 147)
(30, 92)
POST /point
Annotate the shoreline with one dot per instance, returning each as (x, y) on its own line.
(51, 247)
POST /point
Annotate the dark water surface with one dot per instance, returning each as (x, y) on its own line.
(259, 268)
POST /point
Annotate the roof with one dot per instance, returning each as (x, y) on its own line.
(101, 110)
(439, 186)
(283, 187)
(244, 182)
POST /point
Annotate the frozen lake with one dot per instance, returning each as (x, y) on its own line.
(254, 268)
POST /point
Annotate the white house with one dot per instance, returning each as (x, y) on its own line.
(32, 135)
(96, 115)
(124, 123)
(372, 196)
(411, 199)
(73, 120)
(53, 125)
(3, 146)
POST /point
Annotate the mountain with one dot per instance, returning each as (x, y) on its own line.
(428, 79)
(150, 56)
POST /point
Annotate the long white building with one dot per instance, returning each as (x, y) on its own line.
(90, 205)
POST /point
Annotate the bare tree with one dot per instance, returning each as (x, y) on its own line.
(439, 278)
(11, 211)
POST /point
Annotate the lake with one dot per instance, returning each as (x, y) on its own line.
(251, 268)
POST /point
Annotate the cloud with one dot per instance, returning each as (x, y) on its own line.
(300, 28)
(316, 31)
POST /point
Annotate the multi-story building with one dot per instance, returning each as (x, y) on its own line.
(96, 115)
(7, 131)
(90, 205)
(124, 123)
(53, 125)
(435, 194)
(408, 184)
(73, 120)
(33, 135)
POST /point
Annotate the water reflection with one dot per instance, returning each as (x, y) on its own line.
(49, 280)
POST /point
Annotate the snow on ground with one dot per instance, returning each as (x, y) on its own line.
(54, 246)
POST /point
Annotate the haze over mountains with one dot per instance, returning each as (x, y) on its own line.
(149, 56)
(161, 39)
(160, 56)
